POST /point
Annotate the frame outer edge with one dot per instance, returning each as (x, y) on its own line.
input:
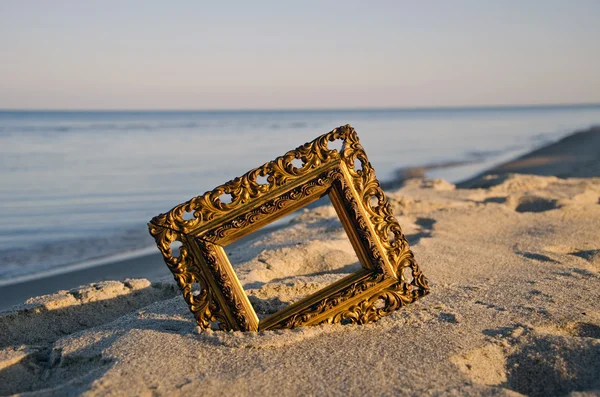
(227, 306)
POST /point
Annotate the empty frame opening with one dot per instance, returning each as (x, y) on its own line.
(293, 258)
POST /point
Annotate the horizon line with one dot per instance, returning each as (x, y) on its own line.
(300, 109)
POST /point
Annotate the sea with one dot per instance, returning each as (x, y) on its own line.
(77, 188)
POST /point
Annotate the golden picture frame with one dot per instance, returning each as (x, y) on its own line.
(389, 279)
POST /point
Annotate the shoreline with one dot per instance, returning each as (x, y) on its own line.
(87, 264)
(152, 267)
(37, 259)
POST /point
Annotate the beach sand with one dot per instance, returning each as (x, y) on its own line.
(514, 269)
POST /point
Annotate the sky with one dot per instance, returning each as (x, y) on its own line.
(306, 54)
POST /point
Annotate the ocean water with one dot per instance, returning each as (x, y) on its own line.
(79, 187)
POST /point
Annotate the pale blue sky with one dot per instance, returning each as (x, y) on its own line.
(321, 54)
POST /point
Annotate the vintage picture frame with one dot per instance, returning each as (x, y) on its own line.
(389, 279)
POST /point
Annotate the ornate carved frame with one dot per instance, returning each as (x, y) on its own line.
(389, 278)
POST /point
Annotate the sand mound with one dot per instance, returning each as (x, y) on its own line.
(47, 318)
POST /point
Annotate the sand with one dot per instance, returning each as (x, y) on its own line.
(514, 309)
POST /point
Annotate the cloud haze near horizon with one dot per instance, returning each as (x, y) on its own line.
(259, 55)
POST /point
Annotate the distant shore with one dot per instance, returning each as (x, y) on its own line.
(575, 156)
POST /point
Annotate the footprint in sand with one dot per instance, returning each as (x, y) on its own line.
(536, 363)
(591, 255)
(537, 257)
(425, 229)
(536, 204)
(527, 203)
(583, 330)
